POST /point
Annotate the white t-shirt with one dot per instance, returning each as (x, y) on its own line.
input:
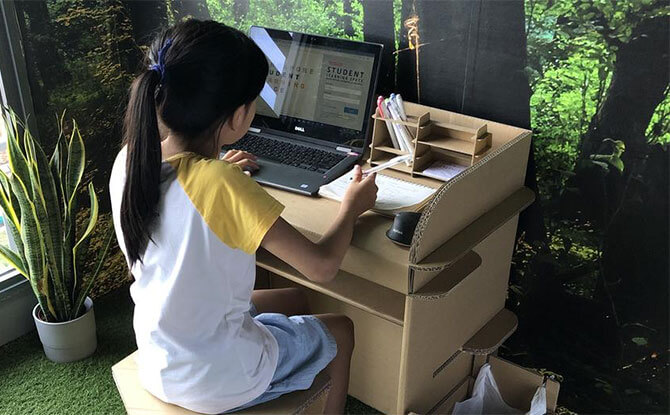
(199, 348)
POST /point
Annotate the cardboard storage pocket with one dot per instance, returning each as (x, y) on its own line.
(517, 386)
(475, 232)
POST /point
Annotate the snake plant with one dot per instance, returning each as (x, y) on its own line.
(39, 199)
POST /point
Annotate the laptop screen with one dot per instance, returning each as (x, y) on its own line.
(318, 88)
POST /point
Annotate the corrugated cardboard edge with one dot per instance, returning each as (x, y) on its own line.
(445, 313)
(489, 338)
(499, 215)
(458, 271)
(443, 191)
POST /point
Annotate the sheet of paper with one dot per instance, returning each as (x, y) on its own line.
(393, 193)
(443, 170)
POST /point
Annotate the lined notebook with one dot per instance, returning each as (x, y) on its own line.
(394, 195)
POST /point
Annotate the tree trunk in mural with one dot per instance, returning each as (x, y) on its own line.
(183, 9)
(624, 115)
(147, 18)
(240, 9)
(472, 56)
(378, 27)
(38, 95)
(346, 17)
(630, 103)
(42, 53)
(615, 199)
(406, 78)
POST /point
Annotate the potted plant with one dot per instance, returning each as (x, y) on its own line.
(39, 199)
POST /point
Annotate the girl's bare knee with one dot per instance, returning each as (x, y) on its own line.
(343, 329)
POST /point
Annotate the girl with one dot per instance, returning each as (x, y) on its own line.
(190, 224)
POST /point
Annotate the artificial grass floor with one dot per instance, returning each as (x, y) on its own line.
(32, 385)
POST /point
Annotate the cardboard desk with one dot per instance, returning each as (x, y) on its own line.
(427, 316)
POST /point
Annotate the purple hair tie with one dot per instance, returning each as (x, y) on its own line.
(160, 65)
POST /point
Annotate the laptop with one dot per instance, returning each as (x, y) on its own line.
(313, 114)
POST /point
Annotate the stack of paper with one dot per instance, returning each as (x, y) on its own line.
(393, 195)
(443, 170)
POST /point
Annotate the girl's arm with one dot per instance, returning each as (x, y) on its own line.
(320, 261)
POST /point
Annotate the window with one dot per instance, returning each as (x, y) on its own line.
(15, 93)
(4, 236)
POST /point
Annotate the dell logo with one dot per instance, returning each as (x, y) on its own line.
(301, 129)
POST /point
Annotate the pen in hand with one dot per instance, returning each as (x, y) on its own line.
(390, 163)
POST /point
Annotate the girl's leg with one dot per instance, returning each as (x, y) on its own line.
(288, 301)
(293, 301)
(342, 328)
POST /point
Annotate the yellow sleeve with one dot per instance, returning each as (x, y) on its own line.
(236, 208)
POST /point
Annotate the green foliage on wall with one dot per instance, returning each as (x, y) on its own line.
(310, 16)
(599, 193)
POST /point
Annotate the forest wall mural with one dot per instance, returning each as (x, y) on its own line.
(589, 280)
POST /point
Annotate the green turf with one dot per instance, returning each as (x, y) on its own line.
(31, 385)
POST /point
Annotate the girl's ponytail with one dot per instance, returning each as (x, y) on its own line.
(199, 74)
(139, 205)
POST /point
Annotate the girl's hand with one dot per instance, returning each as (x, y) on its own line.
(246, 161)
(320, 261)
(361, 193)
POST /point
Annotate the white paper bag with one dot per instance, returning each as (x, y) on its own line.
(486, 399)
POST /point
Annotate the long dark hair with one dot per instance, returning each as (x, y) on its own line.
(198, 73)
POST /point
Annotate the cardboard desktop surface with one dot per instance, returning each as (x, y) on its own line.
(456, 204)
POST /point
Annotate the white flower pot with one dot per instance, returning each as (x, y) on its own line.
(70, 340)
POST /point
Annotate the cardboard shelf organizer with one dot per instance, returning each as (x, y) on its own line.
(436, 135)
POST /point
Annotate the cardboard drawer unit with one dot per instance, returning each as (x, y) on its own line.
(414, 309)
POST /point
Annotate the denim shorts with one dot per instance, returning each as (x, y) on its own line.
(306, 347)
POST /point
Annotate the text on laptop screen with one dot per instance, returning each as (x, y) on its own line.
(315, 84)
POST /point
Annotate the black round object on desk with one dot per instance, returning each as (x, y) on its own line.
(402, 230)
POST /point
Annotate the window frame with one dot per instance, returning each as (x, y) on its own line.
(15, 93)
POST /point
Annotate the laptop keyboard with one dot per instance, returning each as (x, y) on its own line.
(290, 154)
